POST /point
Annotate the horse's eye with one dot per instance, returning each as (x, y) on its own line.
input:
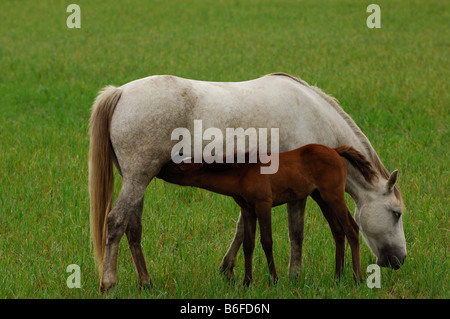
(397, 213)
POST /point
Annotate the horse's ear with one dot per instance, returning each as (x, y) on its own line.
(392, 180)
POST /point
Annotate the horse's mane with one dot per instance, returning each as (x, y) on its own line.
(376, 162)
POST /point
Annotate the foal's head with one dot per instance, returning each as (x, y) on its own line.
(171, 170)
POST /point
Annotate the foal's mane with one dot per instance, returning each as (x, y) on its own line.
(373, 156)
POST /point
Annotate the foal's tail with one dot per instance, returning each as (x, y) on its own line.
(359, 161)
(101, 178)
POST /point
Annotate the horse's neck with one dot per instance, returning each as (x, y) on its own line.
(356, 186)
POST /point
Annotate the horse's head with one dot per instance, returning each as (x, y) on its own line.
(380, 222)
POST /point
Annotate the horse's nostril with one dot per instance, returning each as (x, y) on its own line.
(396, 262)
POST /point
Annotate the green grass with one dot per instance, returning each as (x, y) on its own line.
(393, 81)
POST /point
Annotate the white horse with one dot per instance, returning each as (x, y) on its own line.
(131, 127)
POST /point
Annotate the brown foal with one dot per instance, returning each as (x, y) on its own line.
(315, 170)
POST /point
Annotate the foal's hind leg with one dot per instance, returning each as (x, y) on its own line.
(134, 234)
(128, 203)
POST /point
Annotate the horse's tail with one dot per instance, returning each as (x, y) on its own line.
(359, 161)
(101, 178)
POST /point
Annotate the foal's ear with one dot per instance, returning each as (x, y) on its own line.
(184, 164)
(190, 167)
(391, 181)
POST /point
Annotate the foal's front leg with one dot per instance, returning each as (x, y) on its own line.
(356, 254)
(351, 230)
(336, 230)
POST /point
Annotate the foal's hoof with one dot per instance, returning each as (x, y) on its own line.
(273, 281)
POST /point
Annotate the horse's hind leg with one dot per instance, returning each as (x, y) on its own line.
(128, 203)
(134, 234)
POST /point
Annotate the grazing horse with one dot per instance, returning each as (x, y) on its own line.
(131, 126)
(311, 168)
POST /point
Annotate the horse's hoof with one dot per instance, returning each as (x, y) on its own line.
(106, 286)
(227, 272)
(294, 272)
(146, 285)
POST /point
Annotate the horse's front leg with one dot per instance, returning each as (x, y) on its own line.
(296, 220)
(229, 260)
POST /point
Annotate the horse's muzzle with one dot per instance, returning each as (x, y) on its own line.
(392, 259)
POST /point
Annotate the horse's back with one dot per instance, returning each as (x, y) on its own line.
(151, 108)
(199, 98)
(271, 101)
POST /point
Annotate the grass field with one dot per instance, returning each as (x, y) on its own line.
(393, 81)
